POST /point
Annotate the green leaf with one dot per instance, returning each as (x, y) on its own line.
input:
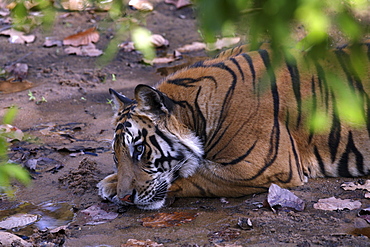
(10, 115)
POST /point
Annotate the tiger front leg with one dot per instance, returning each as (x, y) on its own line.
(208, 185)
(108, 187)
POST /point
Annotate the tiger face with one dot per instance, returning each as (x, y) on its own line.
(150, 149)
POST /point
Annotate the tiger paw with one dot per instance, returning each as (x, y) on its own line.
(108, 187)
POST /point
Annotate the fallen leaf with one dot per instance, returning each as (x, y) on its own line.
(245, 223)
(75, 4)
(365, 214)
(222, 43)
(138, 243)
(12, 85)
(52, 41)
(59, 229)
(17, 37)
(4, 12)
(127, 46)
(18, 70)
(168, 59)
(162, 220)
(18, 220)
(11, 132)
(158, 40)
(195, 46)
(43, 164)
(97, 216)
(142, 5)
(8, 239)
(86, 50)
(367, 195)
(284, 198)
(333, 203)
(356, 185)
(82, 38)
(179, 3)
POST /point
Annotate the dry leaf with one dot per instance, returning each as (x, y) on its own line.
(127, 46)
(365, 214)
(18, 70)
(87, 50)
(245, 223)
(367, 195)
(195, 46)
(17, 37)
(179, 3)
(333, 203)
(11, 133)
(168, 59)
(158, 40)
(11, 85)
(8, 239)
(82, 38)
(141, 5)
(138, 243)
(4, 12)
(96, 215)
(75, 4)
(222, 43)
(162, 220)
(52, 41)
(284, 198)
(18, 220)
(356, 186)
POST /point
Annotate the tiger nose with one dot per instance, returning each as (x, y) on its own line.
(128, 198)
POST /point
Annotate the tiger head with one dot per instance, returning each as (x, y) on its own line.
(151, 148)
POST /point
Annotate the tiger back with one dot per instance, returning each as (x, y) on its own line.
(232, 125)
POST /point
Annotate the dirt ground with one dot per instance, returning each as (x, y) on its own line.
(71, 137)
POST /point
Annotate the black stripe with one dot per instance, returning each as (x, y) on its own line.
(334, 135)
(251, 67)
(345, 62)
(319, 160)
(295, 153)
(275, 132)
(238, 66)
(324, 88)
(296, 85)
(313, 107)
(242, 157)
(224, 108)
(279, 176)
(343, 170)
(163, 136)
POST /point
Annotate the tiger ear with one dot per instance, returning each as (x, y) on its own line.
(120, 101)
(152, 100)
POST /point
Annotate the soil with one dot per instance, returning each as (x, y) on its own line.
(71, 138)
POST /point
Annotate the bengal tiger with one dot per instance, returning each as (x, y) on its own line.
(233, 125)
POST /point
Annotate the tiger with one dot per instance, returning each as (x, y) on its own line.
(233, 125)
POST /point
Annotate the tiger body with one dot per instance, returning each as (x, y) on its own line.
(231, 126)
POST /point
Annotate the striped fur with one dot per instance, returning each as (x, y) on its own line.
(233, 125)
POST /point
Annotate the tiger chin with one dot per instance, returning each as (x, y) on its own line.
(231, 126)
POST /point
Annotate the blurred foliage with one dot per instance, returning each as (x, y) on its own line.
(9, 171)
(274, 21)
(26, 14)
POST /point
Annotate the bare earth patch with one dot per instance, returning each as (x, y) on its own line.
(72, 127)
